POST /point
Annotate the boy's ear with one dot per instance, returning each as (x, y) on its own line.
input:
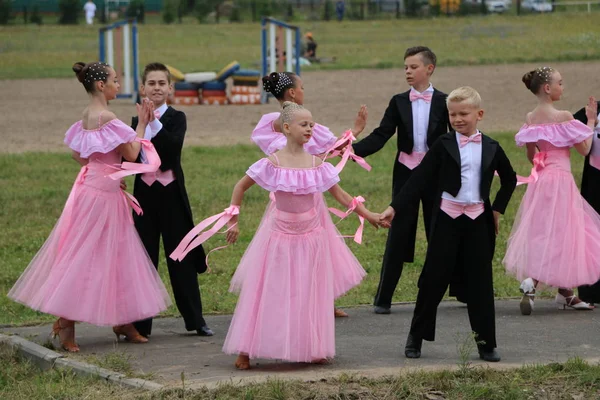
(142, 90)
(480, 114)
(430, 68)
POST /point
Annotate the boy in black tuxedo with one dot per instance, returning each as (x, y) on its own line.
(420, 117)
(590, 190)
(459, 168)
(165, 204)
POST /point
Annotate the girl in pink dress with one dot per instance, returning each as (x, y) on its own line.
(297, 263)
(287, 86)
(93, 267)
(555, 239)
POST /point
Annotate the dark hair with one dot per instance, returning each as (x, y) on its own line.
(277, 83)
(534, 80)
(426, 54)
(155, 67)
(90, 73)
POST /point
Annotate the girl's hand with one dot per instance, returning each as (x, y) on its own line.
(373, 219)
(386, 217)
(143, 111)
(361, 121)
(591, 110)
(234, 231)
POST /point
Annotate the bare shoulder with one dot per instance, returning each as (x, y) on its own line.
(107, 116)
(565, 116)
(528, 117)
(318, 161)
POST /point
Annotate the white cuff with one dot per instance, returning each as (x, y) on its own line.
(155, 127)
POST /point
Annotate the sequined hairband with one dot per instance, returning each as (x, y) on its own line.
(283, 83)
(96, 73)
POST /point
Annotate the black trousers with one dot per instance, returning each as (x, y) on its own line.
(400, 245)
(591, 193)
(462, 246)
(165, 214)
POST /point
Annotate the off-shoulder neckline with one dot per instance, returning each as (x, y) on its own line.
(293, 168)
(99, 128)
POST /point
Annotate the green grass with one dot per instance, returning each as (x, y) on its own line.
(48, 51)
(36, 185)
(575, 379)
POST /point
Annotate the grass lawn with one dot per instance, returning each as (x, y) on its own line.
(35, 188)
(574, 379)
(48, 51)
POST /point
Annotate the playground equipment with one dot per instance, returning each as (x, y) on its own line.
(274, 57)
(118, 46)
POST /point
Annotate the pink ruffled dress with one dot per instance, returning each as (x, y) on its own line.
(286, 276)
(93, 267)
(270, 141)
(556, 235)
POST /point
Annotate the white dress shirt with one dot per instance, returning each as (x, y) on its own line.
(420, 114)
(153, 128)
(470, 173)
(596, 141)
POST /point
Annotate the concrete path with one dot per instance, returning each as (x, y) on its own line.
(367, 344)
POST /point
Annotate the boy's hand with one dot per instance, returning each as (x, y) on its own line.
(496, 221)
(361, 121)
(123, 184)
(591, 109)
(386, 217)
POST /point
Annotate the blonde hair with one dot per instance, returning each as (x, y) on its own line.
(289, 109)
(465, 94)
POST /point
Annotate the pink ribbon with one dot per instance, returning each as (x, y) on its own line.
(130, 168)
(351, 207)
(196, 236)
(346, 139)
(539, 162)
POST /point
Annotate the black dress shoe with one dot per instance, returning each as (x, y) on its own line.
(382, 310)
(413, 347)
(489, 355)
(205, 331)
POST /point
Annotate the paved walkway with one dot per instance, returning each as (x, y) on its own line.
(367, 344)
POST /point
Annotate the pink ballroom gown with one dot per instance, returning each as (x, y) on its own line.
(93, 267)
(556, 235)
(286, 276)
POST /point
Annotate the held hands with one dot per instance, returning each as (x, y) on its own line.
(373, 219)
(591, 110)
(386, 217)
(496, 221)
(361, 121)
(234, 231)
(145, 112)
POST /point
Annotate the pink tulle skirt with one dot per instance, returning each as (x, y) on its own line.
(556, 235)
(93, 267)
(294, 268)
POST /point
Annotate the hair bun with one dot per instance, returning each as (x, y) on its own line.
(79, 68)
(287, 104)
(267, 84)
(527, 78)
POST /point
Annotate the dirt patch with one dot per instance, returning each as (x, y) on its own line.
(36, 113)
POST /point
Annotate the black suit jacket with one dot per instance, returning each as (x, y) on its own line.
(398, 119)
(590, 183)
(441, 168)
(169, 143)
